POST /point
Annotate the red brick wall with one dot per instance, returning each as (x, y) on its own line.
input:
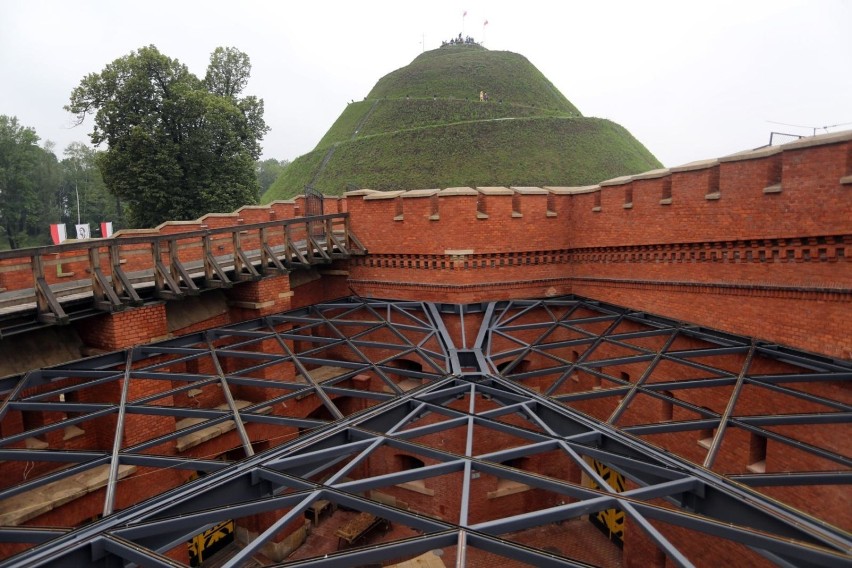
(758, 244)
(133, 326)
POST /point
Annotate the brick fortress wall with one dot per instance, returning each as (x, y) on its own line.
(757, 243)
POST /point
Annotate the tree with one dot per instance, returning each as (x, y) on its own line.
(178, 147)
(83, 195)
(228, 72)
(19, 159)
(268, 171)
(47, 178)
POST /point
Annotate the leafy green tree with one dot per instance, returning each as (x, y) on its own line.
(19, 158)
(178, 147)
(228, 72)
(83, 194)
(268, 171)
(47, 178)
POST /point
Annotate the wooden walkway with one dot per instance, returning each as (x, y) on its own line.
(56, 284)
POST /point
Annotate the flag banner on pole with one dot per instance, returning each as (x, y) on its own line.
(485, 24)
(465, 14)
(57, 233)
(83, 231)
(106, 229)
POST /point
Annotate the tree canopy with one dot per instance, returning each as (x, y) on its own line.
(30, 177)
(177, 146)
(268, 171)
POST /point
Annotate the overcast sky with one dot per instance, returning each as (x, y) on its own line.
(690, 80)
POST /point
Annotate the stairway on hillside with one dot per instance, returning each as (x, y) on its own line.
(364, 119)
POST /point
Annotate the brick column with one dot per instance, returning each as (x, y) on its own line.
(119, 330)
(250, 300)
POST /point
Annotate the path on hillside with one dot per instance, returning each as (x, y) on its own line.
(330, 152)
(364, 119)
(478, 121)
(333, 147)
(324, 163)
(369, 113)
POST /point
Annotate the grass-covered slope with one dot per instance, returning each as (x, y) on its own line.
(522, 152)
(423, 126)
(462, 71)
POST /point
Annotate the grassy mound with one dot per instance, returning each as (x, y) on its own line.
(423, 126)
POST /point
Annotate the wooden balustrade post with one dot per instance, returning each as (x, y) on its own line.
(49, 309)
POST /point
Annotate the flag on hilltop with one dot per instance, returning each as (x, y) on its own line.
(485, 24)
(465, 14)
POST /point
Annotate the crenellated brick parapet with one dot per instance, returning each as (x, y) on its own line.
(772, 223)
(788, 191)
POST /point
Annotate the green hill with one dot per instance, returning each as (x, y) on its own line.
(423, 126)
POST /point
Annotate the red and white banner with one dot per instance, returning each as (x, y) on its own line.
(106, 229)
(57, 233)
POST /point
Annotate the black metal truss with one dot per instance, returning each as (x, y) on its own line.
(480, 385)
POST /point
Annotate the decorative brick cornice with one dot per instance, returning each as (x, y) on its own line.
(463, 261)
(504, 284)
(828, 293)
(829, 248)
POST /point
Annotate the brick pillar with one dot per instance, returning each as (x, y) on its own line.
(282, 544)
(133, 326)
(249, 300)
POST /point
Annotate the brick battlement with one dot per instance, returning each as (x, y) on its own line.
(757, 243)
(773, 192)
(740, 242)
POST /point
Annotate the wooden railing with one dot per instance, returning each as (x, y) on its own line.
(112, 271)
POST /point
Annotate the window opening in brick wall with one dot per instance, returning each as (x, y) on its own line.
(773, 174)
(521, 367)
(713, 183)
(434, 208)
(705, 436)
(574, 357)
(597, 202)
(481, 208)
(628, 196)
(74, 430)
(407, 383)
(667, 407)
(398, 215)
(405, 462)
(625, 376)
(551, 204)
(508, 486)
(667, 190)
(516, 205)
(757, 454)
(32, 420)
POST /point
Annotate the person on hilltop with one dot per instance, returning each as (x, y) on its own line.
(481, 96)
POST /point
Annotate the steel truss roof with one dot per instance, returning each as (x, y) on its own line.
(469, 384)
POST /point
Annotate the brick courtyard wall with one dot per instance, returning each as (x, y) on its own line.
(757, 243)
(460, 244)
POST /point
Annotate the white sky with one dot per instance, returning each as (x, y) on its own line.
(690, 80)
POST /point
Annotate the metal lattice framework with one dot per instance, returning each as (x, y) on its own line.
(566, 382)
